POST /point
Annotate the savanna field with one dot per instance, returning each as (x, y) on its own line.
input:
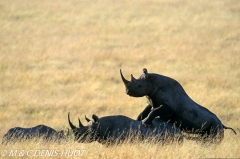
(64, 56)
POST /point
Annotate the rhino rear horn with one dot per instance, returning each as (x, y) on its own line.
(132, 78)
(95, 118)
(87, 118)
(123, 79)
(70, 123)
(80, 123)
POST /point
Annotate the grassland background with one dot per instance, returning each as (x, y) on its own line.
(64, 56)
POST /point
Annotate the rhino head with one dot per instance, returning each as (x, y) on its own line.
(85, 133)
(138, 87)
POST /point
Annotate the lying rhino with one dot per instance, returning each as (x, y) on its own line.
(37, 133)
(168, 100)
(115, 129)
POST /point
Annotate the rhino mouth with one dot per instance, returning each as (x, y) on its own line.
(128, 92)
(133, 94)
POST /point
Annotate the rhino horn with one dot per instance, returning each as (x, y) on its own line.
(95, 118)
(132, 78)
(123, 79)
(70, 123)
(87, 118)
(80, 123)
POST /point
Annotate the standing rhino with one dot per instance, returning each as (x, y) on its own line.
(37, 133)
(168, 100)
(114, 129)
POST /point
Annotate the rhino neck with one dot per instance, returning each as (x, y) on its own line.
(153, 91)
(154, 97)
(153, 102)
(158, 83)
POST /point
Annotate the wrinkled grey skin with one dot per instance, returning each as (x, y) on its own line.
(169, 101)
(40, 132)
(114, 129)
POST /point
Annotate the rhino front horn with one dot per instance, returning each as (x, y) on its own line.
(70, 123)
(123, 79)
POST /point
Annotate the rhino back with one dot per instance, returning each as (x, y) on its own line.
(18, 133)
(114, 126)
(120, 126)
(171, 93)
(43, 130)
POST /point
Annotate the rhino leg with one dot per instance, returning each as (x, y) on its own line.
(144, 113)
(163, 111)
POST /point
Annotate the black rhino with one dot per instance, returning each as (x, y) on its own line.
(117, 128)
(37, 133)
(168, 100)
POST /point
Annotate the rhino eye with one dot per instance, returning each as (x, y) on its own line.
(139, 86)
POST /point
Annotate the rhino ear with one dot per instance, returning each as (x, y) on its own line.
(61, 132)
(145, 73)
(95, 118)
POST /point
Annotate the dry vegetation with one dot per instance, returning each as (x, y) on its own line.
(64, 56)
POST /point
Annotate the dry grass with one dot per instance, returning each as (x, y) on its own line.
(64, 56)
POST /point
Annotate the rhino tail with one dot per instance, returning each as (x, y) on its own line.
(230, 128)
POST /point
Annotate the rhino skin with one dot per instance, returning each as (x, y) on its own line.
(168, 100)
(117, 128)
(37, 133)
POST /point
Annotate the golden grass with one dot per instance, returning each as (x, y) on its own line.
(64, 56)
